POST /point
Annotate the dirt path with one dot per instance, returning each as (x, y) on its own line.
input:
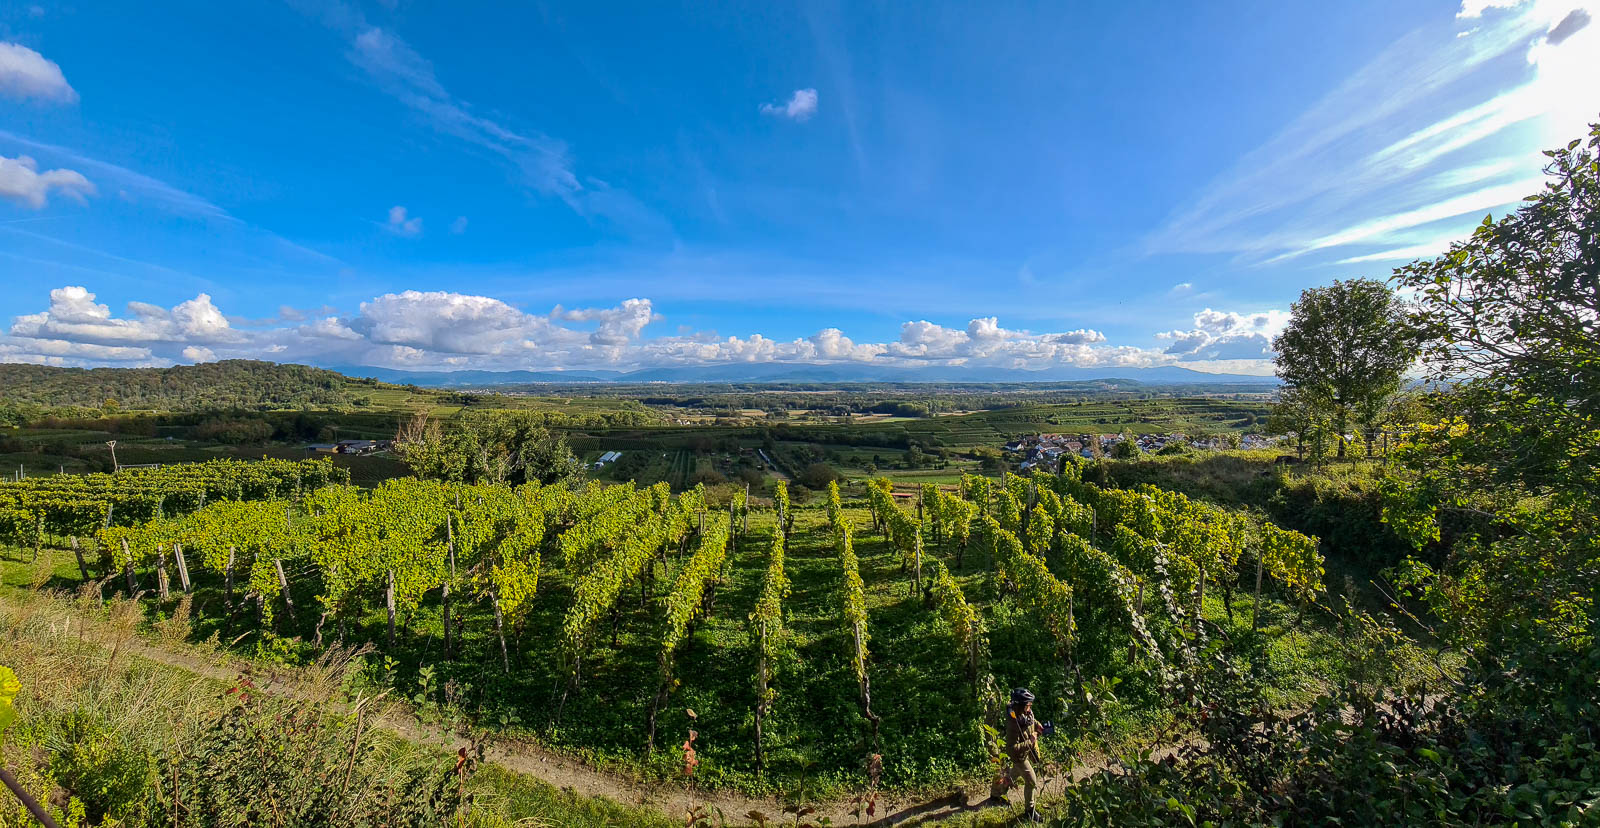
(773, 467)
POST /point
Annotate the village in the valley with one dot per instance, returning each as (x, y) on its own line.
(1045, 450)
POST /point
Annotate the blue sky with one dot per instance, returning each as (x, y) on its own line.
(426, 185)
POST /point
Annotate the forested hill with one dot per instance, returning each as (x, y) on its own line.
(234, 383)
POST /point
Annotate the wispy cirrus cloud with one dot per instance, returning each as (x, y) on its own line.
(409, 77)
(1444, 125)
(136, 188)
(540, 162)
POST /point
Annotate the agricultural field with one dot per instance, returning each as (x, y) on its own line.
(938, 447)
(611, 623)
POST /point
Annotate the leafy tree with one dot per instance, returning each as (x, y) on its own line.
(520, 449)
(1345, 345)
(818, 476)
(497, 446)
(1512, 320)
(1125, 450)
(1294, 413)
(1508, 464)
(436, 453)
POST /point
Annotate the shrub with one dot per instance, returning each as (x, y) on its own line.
(818, 476)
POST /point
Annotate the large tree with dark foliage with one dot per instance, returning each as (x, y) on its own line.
(1512, 324)
(1346, 348)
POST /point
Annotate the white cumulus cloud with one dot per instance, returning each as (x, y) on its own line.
(21, 181)
(800, 106)
(75, 316)
(444, 330)
(618, 325)
(25, 73)
(1226, 335)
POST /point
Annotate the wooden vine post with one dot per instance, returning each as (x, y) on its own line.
(1255, 607)
(127, 568)
(388, 605)
(500, 631)
(444, 597)
(162, 580)
(227, 581)
(283, 584)
(183, 568)
(916, 553)
(761, 692)
(1071, 634)
(1133, 646)
(83, 568)
(865, 683)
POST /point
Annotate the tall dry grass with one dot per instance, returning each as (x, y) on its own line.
(111, 707)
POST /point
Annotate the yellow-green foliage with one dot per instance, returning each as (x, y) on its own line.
(959, 616)
(1038, 590)
(854, 599)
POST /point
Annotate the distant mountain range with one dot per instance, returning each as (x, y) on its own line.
(778, 372)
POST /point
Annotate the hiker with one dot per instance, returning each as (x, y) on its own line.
(1022, 746)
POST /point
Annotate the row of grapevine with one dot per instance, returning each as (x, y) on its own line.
(1037, 589)
(853, 600)
(766, 629)
(401, 540)
(903, 533)
(975, 490)
(1203, 543)
(951, 518)
(598, 530)
(966, 628)
(689, 598)
(853, 604)
(782, 507)
(79, 505)
(596, 590)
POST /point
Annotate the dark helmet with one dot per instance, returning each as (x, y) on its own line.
(1020, 697)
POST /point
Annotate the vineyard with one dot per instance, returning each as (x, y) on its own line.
(612, 619)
